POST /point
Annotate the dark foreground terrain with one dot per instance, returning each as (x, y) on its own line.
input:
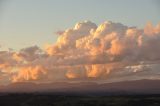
(125, 93)
(77, 100)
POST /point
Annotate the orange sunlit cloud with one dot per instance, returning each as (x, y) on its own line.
(86, 52)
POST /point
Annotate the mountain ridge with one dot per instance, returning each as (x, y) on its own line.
(143, 86)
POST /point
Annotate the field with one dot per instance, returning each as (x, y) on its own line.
(77, 100)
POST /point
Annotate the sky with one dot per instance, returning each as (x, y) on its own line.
(74, 41)
(22, 21)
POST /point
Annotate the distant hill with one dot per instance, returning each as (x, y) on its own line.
(125, 87)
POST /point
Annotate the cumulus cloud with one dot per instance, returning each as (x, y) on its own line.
(108, 52)
(30, 73)
(29, 54)
(104, 44)
(109, 41)
(6, 60)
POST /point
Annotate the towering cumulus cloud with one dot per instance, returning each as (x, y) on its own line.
(87, 52)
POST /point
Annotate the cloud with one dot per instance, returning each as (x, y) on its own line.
(110, 51)
(29, 54)
(112, 41)
(6, 60)
(30, 73)
(68, 38)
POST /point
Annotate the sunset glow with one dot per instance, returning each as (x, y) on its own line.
(88, 52)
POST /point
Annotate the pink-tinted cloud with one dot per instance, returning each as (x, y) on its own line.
(110, 51)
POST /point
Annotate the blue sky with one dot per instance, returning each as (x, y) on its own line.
(34, 22)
